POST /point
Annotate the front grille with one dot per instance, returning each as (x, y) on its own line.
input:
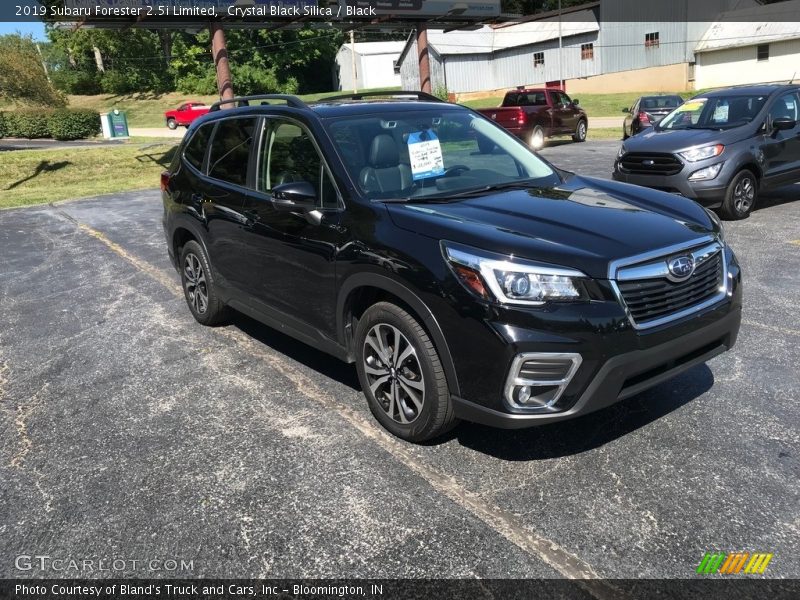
(639, 163)
(651, 299)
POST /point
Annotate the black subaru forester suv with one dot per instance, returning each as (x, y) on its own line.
(465, 276)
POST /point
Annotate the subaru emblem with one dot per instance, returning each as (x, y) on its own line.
(680, 268)
(648, 163)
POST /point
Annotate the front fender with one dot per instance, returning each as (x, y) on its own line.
(412, 299)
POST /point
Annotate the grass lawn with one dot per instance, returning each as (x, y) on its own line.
(37, 176)
(595, 105)
(147, 110)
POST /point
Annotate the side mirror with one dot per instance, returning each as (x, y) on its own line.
(575, 101)
(295, 196)
(626, 110)
(783, 123)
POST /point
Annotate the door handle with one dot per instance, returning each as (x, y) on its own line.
(251, 217)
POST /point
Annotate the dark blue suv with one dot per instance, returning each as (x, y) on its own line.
(466, 277)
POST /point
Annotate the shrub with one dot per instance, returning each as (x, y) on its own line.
(31, 124)
(73, 124)
(60, 124)
(440, 91)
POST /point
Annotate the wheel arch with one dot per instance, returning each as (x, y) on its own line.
(362, 290)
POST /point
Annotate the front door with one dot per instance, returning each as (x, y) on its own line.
(565, 112)
(781, 149)
(291, 256)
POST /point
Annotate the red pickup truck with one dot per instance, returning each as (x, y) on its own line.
(185, 114)
(535, 114)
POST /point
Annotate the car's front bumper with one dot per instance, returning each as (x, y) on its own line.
(617, 361)
(621, 376)
(709, 193)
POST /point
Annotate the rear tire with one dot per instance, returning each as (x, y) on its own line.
(580, 132)
(740, 196)
(401, 374)
(172, 124)
(536, 139)
(199, 287)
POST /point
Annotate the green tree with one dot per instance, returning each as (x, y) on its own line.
(22, 75)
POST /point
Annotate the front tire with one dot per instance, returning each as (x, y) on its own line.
(401, 374)
(580, 132)
(172, 124)
(536, 140)
(199, 287)
(740, 196)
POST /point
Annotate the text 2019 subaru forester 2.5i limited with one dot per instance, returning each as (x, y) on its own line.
(720, 148)
(465, 276)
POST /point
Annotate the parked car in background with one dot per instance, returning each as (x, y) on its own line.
(720, 148)
(186, 114)
(646, 111)
(536, 114)
(463, 285)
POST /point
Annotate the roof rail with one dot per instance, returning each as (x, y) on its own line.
(290, 100)
(396, 94)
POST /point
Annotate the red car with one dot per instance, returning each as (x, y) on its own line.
(185, 114)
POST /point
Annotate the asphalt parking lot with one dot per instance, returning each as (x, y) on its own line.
(128, 431)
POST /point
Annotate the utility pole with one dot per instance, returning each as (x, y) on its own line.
(44, 64)
(423, 58)
(353, 61)
(219, 51)
(560, 71)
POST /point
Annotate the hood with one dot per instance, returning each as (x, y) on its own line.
(585, 223)
(673, 140)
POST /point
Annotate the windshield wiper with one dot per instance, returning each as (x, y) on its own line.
(493, 187)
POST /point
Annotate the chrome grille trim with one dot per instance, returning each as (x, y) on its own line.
(514, 379)
(653, 265)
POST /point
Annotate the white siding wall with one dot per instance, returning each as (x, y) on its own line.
(377, 70)
(734, 66)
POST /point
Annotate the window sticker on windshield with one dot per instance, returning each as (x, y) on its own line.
(692, 105)
(425, 154)
(721, 113)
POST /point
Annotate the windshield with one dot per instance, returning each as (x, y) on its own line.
(429, 154)
(720, 112)
(660, 102)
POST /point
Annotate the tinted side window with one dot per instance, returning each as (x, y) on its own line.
(785, 107)
(230, 150)
(289, 155)
(196, 148)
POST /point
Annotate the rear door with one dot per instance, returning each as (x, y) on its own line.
(222, 198)
(782, 148)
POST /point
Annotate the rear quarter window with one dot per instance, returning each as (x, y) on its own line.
(195, 151)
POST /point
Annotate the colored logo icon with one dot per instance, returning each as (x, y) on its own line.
(733, 563)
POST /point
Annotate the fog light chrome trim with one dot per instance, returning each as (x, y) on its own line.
(514, 380)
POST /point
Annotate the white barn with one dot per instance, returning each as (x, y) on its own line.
(376, 65)
(756, 45)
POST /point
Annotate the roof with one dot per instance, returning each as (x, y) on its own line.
(372, 48)
(741, 90)
(486, 39)
(752, 26)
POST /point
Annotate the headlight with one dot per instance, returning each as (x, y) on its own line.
(513, 281)
(717, 223)
(707, 173)
(621, 151)
(703, 153)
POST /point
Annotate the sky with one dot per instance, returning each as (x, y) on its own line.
(35, 29)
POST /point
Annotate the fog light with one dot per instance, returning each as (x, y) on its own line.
(707, 173)
(524, 394)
